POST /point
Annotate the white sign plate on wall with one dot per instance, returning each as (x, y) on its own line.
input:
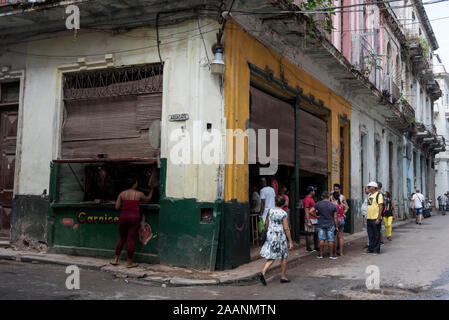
(178, 117)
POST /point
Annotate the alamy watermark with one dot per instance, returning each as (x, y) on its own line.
(199, 146)
(73, 20)
(373, 280)
(73, 280)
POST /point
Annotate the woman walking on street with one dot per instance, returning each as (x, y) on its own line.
(389, 214)
(341, 215)
(275, 247)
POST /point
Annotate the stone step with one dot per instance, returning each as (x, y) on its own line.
(4, 243)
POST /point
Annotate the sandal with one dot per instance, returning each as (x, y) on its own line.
(113, 263)
(284, 280)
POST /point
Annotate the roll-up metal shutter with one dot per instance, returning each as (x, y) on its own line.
(269, 112)
(110, 112)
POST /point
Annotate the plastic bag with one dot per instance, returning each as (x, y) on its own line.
(261, 225)
(145, 233)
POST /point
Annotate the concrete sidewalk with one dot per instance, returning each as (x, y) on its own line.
(156, 274)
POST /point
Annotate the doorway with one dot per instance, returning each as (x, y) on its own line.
(9, 105)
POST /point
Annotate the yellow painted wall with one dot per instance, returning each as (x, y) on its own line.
(241, 49)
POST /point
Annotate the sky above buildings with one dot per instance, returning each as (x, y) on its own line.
(440, 27)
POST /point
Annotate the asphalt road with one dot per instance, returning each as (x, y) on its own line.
(415, 265)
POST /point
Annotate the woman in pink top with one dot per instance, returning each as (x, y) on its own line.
(341, 215)
(283, 193)
(128, 202)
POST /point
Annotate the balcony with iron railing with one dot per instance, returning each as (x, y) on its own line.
(365, 58)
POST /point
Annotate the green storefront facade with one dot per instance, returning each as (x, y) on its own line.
(181, 237)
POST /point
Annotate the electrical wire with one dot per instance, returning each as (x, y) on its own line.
(204, 43)
(113, 52)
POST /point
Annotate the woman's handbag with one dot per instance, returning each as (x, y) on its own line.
(262, 237)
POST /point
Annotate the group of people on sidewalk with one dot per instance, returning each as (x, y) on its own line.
(323, 220)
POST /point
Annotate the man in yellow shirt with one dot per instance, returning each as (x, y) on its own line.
(374, 218)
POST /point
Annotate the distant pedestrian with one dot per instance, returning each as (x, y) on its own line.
(341, 215)
(341, 197)
(310, 219)
(364, 208)
(374, 218)
(443, 204)
(417, 205)
(267, 196)
(327, 220)
(382, 228)
(389, 214)
(276, 246)
(283, 192)
(275, 185)
(255, 200)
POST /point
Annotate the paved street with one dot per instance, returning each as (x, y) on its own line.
(414, 266)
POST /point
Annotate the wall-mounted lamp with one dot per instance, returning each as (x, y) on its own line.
(217, 66)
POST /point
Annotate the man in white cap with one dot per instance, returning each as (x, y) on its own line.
(374, 217)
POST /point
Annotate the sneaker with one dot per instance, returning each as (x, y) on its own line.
(309, 250)
(333, 257)
(382, 244)
(368, 251)
(319, 257)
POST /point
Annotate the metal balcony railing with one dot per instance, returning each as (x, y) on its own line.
(364, 57)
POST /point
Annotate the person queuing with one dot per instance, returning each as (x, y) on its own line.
(341, 197)
(276, 245)
(267, 197)
(374, 218)
(364, 208)
(327, 220)
(283, 192)
(389, 214)
(255, 200)
(341, 215)
(381, 239)
(310, 219)
(417, 206)
(128, 202)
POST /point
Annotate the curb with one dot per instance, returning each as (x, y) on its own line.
(143, 278)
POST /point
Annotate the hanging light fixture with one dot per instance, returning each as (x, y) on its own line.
(217, 66)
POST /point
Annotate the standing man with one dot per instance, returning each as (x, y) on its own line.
(267, 196)
(364, 210)
(374, 218)
(310, 219)
(417, 205)
(443, 203)
(337, 188)
(327, 220)
(382, 228)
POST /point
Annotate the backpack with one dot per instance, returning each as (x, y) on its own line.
(384, 209)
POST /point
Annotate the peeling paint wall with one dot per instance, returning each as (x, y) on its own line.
(189, 88)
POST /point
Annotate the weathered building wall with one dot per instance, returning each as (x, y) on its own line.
(188, 85)
(441, 116)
